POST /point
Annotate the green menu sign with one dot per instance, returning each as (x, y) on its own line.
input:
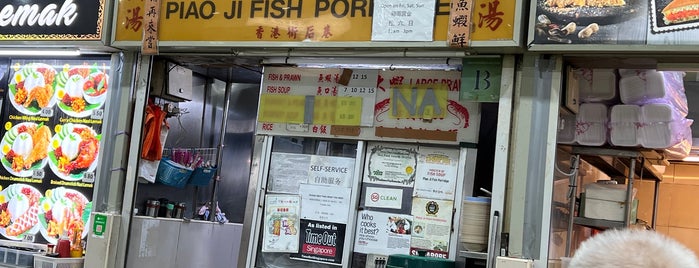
(480, 79)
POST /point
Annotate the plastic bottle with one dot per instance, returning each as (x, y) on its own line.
(63, 246)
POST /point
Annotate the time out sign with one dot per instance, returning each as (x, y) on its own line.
(51, 19)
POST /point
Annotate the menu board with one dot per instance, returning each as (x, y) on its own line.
(52, 124)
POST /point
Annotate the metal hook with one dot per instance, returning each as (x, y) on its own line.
(392, 68)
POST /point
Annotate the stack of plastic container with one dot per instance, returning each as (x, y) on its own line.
(597, 88)
(663, 108)
(624, 125)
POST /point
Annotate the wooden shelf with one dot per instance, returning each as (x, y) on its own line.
(473, 255)
(597, 223)
(616, 162)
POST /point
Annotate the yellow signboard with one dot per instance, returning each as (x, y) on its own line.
(419, 101)
(282, 108)
(261, 20)
(324, 110)
(493, 20)
(349, 111)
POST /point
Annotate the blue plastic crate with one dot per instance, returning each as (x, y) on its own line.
(202, 176)
(172, 174)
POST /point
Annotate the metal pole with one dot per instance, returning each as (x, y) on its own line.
(219, 155)
(629, 192)
(572, 193)
(655, 203)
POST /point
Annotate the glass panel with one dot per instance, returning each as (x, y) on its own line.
(287, 172)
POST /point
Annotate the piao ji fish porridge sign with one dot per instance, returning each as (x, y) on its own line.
(51, 135)
(260, 20)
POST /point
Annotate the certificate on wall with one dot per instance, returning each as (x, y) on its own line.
(436, 173)
(391, 164)
(281, 223)
(325, 203)
(431, 225)
(287, 172)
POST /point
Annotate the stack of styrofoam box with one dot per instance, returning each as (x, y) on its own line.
(597, 88)
(662, 111)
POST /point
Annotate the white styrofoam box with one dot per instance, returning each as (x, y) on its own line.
(624, 123)
(650, 86)
(591, 124)
(604, 209)
(604, 191)
(663, 127)
(566, 129)
(597, 85)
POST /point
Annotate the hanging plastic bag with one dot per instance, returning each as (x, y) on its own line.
(147, 168)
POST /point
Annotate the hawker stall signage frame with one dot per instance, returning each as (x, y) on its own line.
(53, 20)
(613, 25)
(302, 23)
(406, 105)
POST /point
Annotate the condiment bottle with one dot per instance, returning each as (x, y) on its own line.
(63, 246)
(76, 247)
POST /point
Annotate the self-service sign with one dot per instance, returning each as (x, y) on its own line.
(67, 20)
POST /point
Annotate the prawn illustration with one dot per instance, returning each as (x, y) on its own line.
(460, 112)
(381, 108)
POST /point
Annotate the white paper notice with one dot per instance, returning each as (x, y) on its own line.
(331, 171)
(287, 172)
(280, 233)
(363, 84)
(325, 203)
(432, 224)
(436, 173)
(383, 198)
(383, 233)
(403, 20)
(391, 164)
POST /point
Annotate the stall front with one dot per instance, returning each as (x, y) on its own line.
(618, 90)
(407, 91)
(57, 75)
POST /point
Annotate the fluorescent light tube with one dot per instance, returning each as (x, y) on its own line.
(38, 52)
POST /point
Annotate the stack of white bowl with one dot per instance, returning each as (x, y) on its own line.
(475, 222)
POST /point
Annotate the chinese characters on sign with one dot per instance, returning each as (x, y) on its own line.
(489, 16)
(460, 23)
(401, 20)
(150, 31)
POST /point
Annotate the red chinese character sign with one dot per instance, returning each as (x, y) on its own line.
(376, 104)
(460, 23)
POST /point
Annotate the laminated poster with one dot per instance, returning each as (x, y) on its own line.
(51, 136)
(281, 223)
(391, 164)
(325, 203)
(321, 242)
(287, 172)
(383, 197)
(331, 171)
(431, 226)
(403, 20)
(383, 233)
(436, 173)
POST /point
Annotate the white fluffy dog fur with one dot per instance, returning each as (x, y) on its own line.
(632, 248)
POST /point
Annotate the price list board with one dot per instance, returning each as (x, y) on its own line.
(52, 112)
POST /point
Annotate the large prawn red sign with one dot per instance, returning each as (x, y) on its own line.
(403, 105)
(52, 120)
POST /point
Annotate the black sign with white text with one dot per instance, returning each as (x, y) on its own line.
(51, 19)
(321, 242)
